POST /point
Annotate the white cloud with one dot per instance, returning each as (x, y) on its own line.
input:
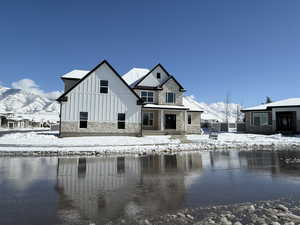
(30, 86)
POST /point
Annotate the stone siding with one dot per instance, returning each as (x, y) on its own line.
(97, 128)
(170, 86)
(195, 126)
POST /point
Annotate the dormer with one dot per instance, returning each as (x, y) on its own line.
(71, 78)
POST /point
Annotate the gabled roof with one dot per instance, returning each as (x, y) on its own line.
(158, 65)
(171, 78)
(290, 102)
(89, 73)
(75, 74)
(134, 75)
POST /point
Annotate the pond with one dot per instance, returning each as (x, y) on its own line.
(101, 189)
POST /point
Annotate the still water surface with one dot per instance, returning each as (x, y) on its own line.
(98, 190)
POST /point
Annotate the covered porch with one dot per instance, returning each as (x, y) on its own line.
(169, 120)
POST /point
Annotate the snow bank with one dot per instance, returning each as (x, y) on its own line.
(47, 143)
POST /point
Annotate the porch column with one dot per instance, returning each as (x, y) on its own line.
(185, 120)
(162, 120)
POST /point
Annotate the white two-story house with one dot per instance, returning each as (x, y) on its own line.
(142, 101)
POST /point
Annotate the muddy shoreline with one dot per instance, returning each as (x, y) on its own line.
(275, 212)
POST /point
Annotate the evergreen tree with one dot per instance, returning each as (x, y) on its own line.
(268, 99)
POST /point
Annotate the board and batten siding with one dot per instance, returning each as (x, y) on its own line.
(101, 107)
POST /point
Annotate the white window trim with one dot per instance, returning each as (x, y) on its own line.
(104, 86)
(87, 120)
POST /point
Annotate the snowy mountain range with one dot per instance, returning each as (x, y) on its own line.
(29, 105)
(217, 111)
(36, 106)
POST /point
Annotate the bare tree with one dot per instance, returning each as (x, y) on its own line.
(227, 99)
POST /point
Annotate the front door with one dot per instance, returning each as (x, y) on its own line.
(170, 121)
(286, 121)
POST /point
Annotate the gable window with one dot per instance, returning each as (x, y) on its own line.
(148, 118)
(158, 76)
(170, 97)
(83, 119)
(121, 120)
(189, 119)
(260, 118)
(147, 96)
(104, 86)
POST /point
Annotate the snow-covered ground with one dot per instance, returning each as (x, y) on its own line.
(47, 141)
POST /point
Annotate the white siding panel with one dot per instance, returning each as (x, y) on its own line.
(151, 80)
(101, 107)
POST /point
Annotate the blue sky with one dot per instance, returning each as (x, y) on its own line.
(250, 49)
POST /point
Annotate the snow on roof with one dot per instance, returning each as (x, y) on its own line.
(281, 103)
(134, 75)
(164, 106)
(188, 102)
(75, 74)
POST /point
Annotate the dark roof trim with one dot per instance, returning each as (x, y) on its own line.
(93, 70)
(147, 88)
(69, 78)
(172, 78)
(195, 111)
(158, 65)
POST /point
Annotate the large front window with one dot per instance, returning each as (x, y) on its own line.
(148, 118)
(147, 96)
(260, 118)
(170, 97)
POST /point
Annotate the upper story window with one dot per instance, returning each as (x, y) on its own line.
(83, 116)
(170, 97)
(104, 86)
(121, 120)
(260, 118)
(158, 76)
(189, 119)
(147, 96)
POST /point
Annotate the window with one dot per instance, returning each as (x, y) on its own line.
(158, 75)
(260, 118)
(147, 96)
(148, 118)
(120, 165)
(104, 86)
(83, 120)
(81, 167)
(170, 97)
(189, 119)
(121, 120)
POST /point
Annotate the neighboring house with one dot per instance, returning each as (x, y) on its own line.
(101, 102)
(276, 117)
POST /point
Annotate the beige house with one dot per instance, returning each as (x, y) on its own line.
(165, 110)
(142, 101)
(277, 117)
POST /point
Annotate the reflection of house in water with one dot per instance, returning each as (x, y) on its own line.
(109, 187)
(273, 162)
